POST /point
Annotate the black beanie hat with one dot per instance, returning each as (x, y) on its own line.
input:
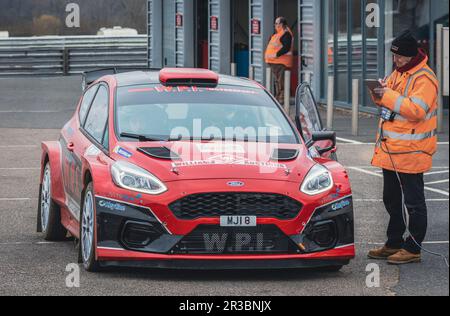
(405, 45)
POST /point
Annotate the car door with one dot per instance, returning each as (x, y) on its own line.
(72, 144)
(308, 118)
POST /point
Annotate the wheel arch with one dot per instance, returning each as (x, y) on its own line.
(52, 154)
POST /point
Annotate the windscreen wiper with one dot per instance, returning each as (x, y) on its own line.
(192, 138)
(142, 138)
(145, 138)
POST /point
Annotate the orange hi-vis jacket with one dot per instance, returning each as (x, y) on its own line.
(274, 47)
(412, 137)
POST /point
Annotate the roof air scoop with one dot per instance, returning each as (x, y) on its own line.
(188, 77)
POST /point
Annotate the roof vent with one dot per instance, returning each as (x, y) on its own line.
(188, 77)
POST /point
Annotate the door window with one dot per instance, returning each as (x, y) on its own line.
(98, 115)
(86, 103)
(309, 117)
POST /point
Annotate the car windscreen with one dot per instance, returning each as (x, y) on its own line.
(222, 113)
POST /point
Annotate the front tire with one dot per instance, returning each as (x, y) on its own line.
(87, 231)
(49, 213)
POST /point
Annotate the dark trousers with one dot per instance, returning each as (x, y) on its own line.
(414, 189)
(278, 74)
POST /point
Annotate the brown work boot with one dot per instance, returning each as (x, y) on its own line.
(404, 257)
(382, 253)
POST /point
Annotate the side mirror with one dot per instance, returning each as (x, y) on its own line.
(323, 136)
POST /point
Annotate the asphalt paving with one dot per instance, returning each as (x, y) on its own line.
(34, 109)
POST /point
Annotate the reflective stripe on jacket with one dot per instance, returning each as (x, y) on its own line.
(412, 136)
(274, 47)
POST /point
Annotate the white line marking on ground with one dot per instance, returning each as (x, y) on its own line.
(366, 171)
(381, 176)
(14, 199)
(437, 191)
(350, 141)
(436, 172)
(437, 182)
(19, 146)
(381, 200)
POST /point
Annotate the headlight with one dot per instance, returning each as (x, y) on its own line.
(317, 181)
(131, 177)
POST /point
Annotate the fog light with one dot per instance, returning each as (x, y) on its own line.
(324, 234)
(139, 235)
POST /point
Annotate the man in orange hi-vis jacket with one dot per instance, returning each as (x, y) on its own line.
(280, 55)
(407, 140)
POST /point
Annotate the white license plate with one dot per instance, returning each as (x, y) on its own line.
(238, 221)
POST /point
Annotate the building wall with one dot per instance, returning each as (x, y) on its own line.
(352, 49)
(332, 37)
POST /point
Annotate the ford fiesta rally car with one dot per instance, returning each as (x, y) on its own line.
(183, 168)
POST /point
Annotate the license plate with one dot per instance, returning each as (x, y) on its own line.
(238, 221)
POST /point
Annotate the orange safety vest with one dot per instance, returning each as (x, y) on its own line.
(412, 136)
(274, 47)
(330, 56)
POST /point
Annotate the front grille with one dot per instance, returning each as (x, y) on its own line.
(210, 239)
(223, 204)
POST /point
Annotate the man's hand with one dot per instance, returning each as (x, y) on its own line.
(378, 93)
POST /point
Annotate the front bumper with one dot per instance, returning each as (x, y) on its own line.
(130, 259)
(132, 235)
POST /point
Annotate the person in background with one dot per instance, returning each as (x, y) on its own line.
(280, 55)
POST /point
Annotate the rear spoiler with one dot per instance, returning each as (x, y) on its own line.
(89, 77)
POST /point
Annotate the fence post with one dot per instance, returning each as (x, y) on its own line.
(66, 61)
(355, 107)
(269, 79)
(287, 91)
(234, 69)
(330, 103)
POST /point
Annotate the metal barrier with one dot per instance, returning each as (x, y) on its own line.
(69, 55)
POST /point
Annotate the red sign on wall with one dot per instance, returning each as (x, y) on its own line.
(214, 23)
(179, 20)
(256, 27)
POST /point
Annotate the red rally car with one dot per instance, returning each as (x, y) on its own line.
(183, 168)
